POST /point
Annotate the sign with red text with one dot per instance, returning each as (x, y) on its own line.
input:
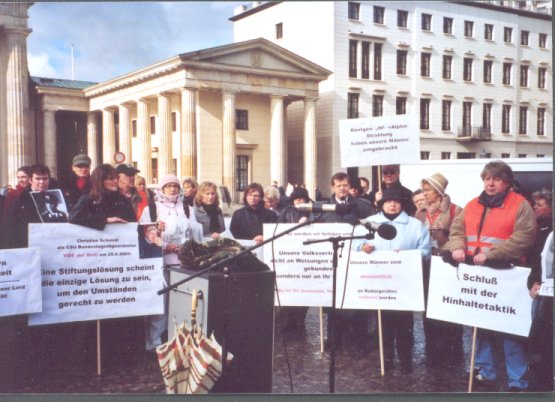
(20, 290)
(90, 274)
(379, 140)
(386, 280)
(479, 296)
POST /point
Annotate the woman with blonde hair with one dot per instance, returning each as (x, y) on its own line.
(207, 210)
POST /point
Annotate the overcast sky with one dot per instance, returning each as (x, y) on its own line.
(115, 38)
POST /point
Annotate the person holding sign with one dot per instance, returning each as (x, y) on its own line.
(390, 179)
(411, 235)
(497, 225)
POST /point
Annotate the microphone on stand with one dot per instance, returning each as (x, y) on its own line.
(341, 209)
(385, 230)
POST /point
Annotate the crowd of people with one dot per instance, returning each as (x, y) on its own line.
(498, 225)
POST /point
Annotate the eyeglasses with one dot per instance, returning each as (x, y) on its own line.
(387, 172)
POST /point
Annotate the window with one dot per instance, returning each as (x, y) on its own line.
(377, 105)
(352, 107)
(154, 167)
(446, 155)
(446, 70)
(506, 119)
(152, 125)
(467, 69)
(378, 14)
(466, 155)
(488, 32)
(505, 155)
(523, 120)
(377, 61)
(507, 34)
(353, 44)
(521, 156)
(424, 114)
(507, 73)
(366, 60)
(425, 59)
(446, 115)
(134, 128)
(469, 29)
(174, 121)
(523, 76)
(402, 62)
(467, 119)
(486, 118)
(447, 25)
(540, 155)
(541, 121)
(401, 105)
(524, 38)
(279, 30)
(424, 155)
(542, 40)
(402, 18)
(488, 64)
(241, 119)
(242, 172)
(426, 23)
(354, 10)
(542, 71)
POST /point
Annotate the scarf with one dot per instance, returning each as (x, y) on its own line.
(493, 201)
(213, 212)
(167, 200)
(391, 217)
(82, 182)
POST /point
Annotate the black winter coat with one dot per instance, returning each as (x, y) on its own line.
(94, 214)
(247, 223)
(22, 212)
(71, 191)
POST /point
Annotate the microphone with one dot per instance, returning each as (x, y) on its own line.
(385, 230)
(341, 209)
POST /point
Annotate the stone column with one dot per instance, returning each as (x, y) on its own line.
(310, 145)
(144, 159)
(164, 131)
(20, 144)
(108, 136)
(92, 138)
(188, 132)
(277, 141)
(125, 133)
(49, 131)
(229, 142)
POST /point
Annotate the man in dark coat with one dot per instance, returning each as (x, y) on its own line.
(79, 182)
(390, 179)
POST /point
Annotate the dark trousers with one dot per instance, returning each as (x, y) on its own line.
(397, 331)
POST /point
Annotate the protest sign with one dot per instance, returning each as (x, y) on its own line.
(482, 297)
(386, 280)
(20, 288)
(379, 141)
(546, 288)
(304, 272)
(89, 274)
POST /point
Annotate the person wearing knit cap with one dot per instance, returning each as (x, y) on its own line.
(443, 339)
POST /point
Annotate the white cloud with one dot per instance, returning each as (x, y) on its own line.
(39, 65)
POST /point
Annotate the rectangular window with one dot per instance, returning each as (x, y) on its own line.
(424, 114)
(242, 172)
(174, 121)
(486, 118)
(154, 167)
(466, 155)
(446, 115)
(378, 14)
(402, 62)
(524, 76)
(469, 29)
(401, 105)
(353, 45)
(540, 155)
(467, 119)
(507, 73)
(505, 155)
(377, 61)
(524, 38)
(426, 22)
(521, 156)
(523, 120)
(366, 60)
(377, 105)
(424, 155)
(541, 121)
(279, 30)
(488, 32)
(447, 25)
(352, 107)
(402, 18)
(425, 59)
(241, 119)
(506, 119)
(542, 71)
(446, 69)
(488, 64)
(542, 40)
(446, 155)
(467, 69)
(507, 35)
(134, 128)
(152, 125)
(354, 11)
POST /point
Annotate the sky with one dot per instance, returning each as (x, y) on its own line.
(114, 38)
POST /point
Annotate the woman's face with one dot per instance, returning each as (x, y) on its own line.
(430, 193)
(171, 189)
(151, 235)
(209, 196)
(141, 186)
(270, 202)
(392, 207)
(298, 201)
(253, 198)
(111, 183)
(188, 190)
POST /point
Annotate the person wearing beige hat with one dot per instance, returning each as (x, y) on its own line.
(443, 339)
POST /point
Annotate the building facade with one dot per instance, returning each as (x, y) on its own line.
(478, 75)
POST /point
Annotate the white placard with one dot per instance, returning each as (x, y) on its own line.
(478, 296)
(546, 288)
(89, 274)
(20, 288)
(380, 140)
(386, 280)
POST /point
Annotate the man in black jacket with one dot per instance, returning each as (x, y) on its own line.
(390, 179)
(79, 182)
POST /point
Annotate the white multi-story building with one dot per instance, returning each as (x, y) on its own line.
(478, 74)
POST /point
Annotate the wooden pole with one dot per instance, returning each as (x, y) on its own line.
(472, 356)
(98, 350)
(380, 337)
(321, 330)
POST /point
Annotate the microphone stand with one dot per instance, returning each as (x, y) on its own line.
(337, 242)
